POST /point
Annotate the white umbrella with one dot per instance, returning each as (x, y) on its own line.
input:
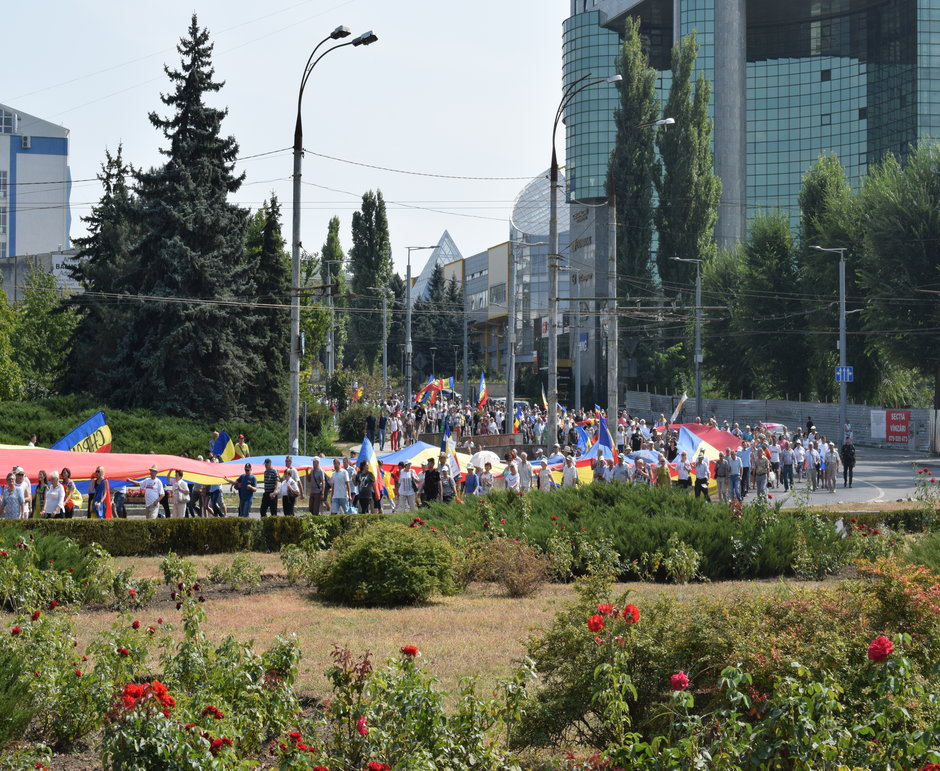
(481, 458)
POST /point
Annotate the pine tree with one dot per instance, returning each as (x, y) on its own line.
(103, 267)
(370, 263)
(189, 348)
(633, 166)
(11, 384)
(333, 274)
(270, 265)
(688, 189)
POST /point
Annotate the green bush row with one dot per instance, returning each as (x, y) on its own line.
(142, 537)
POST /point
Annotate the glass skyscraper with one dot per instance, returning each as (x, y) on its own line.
(792, 81)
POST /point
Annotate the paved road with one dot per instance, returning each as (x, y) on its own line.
(880, 476)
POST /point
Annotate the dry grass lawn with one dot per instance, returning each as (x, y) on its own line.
(478, 633)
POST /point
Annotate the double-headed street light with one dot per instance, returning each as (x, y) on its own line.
(843, 406)
(293, 415)
(551, 429)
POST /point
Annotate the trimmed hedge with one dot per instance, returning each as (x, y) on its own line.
(143, 537)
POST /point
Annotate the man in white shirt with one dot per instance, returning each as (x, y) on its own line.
(621, 472)
(734, 475)
(525, 473)
(22, 484)
(153, 492)
(341, 491)
(569, 475)
(833, 461)
(545, 477)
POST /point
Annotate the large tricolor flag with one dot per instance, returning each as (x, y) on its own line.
(481, 401)
(93, 435)
(675, 414)
(517, 419)
(367, 454)
(428, 394)
(605, 438)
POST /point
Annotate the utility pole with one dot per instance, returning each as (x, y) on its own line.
(408, 349)
(384, 290)
(613, 355)
(698, 332)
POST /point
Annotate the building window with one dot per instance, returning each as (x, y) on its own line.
(3, 250)
(825, 119)
(3, 184)
(862, 113)
(7, 122)
(3, 220)
(825, 75)
(498, 294)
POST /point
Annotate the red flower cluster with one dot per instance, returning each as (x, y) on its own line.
(132, 593)
(605, 609)
(679, 681)
(862, 529)
(417, 522)
(409, 650)
(124, 651)
(631, 614)
(15, 631)
(155, 694)
(880, 649)
(217, 744)
(362, 726)
(36, 615)
(135, 625)
(376, 766)
(596, 623)
(931, 767)
(299, 744)
(3, 554)
(53, 605)
(554, 518)
(214, 712)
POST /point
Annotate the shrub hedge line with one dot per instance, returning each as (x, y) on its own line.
(142, 537)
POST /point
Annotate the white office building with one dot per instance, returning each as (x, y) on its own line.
(34, 185)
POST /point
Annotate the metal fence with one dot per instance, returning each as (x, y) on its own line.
(924, 426)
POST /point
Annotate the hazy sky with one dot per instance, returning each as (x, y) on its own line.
(465, 89)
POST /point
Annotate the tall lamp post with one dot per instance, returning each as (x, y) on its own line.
(433, 352)
(293, 414)
(551, 429)
(843, 398)
(698, 332)
(408, 350)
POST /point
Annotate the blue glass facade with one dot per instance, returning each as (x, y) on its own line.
(857, 78)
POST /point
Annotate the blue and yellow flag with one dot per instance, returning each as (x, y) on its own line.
(367, 454)
(93, 435)
(517, 420)
(223, 447)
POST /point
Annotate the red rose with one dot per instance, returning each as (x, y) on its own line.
(36, 615)
(151, 629)
(631, 614)
(770, 495)
(320, 768)
(159, 620)
(132, 593)
(596, 623)
(554, 518)
(679, 681)
(78, 673)
(124, 651)
(605, 609)
(135, 625)
(362, 726)
(502, 521)
(880, 649)
(376, 766)
(15, 631)
(214, 712)
(3, 554)
(53, 605)
(409, 650)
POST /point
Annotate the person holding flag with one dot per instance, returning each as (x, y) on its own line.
(370, 497)
(483, 396)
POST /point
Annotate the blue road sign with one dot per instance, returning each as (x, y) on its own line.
(845, 374)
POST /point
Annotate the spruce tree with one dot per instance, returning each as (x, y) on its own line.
(103, 267)
(270, 265)
(370, 263)
(189, 348)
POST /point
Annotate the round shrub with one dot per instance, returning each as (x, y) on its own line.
(386, 564)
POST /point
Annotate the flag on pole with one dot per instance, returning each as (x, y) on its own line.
(223, 447)
(367, 454)
(682, 401)
(93, 435)
(517, 419)
(544, 400)
(606, 439)
(481, 401)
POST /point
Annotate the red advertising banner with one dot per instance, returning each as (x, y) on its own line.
(897, 426)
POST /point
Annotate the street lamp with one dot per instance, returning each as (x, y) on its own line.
(843, 407)
(551, 429)
(698, 332)
(408, 350)
(433, 352)
(293, 415)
